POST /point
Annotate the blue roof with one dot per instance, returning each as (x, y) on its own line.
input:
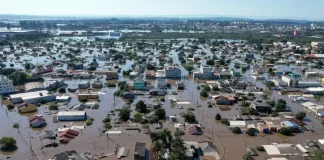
(289, 124)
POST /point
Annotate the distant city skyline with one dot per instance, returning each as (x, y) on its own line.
(257, 9)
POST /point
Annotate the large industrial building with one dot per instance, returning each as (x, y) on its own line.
(32, 97)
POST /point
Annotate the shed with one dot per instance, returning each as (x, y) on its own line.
(122, 152)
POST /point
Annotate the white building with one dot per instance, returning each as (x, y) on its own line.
(6, 85)
(160, 79)
(72, 115)
(315, 90)
(206, 72)
(173, 72)
(32, 97)
(291, 81)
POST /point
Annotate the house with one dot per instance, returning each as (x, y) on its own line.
(222, 100)
(6, 85)
(43, 70)
(194, 130)
(62, 98)
(51, 84)
(161, 82)
(47, 134)
(128, 95)
(140, 149)
(111, 75)
(25, 108)
(97, 84)
(180, 85)
(34, 86)
(157, 93)
(133, 74)
(88, 95)
(150, 74)
(84, 84)
(72, 116)
(249, 56)
(263, 128)
(262, 107)
(68, 155)
(76, 66)
(291, 125)
(209, 149)
(37, 121)
(122, 152)
(67, 135)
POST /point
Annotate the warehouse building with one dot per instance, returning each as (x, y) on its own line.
(72, 116)
(32, 97)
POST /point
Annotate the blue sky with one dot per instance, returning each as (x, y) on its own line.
(294, 9)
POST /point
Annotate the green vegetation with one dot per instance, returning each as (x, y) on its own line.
(189, 68)
(107, 125)
(250, 132)
(203, 93)
(260, 148)
(8, 144)
(18, 77)
(53, 107)
(141, 107)
(317, 155)
(225, 121)
(62, 90)
(160, 113)
(285, 131)
(179, 132)
(218, 117)
(16, 125)
(138, 117)
(89, 121)
(10, 106)
(42, 101)
(123, 87)
(300, 115)
(83, 100)
(124, 114)
(270, 84)
(190, 117)
(248, 157)
(96, 106)
(237, 130)
(111, 85)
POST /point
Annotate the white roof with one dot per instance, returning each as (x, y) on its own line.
(237, 123)
(280, 158)
(321, 141)
(62, 97)
(113, 132)
(28, 94)
(271, 150)
(315, 89)
(71, 113)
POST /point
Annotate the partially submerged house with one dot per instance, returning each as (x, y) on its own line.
(37, 121)
(140, 149)
(194, 130)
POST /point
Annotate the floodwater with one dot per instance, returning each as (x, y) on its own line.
(230, 146)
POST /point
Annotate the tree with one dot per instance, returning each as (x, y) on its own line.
(248, 157)
(189, 117)
(203, 93)
(300, 115)
(218, 117)
(318, 98)
(179, 133)
(285, 131)
(141, 107)
(177, 150)
(16, 125)
(270, 70)
(8, 144)
(62, 90)
(206, 88)
(138, 117)
(107, 119)
(210, 62)
(27, 66)
(10, 106)
(124, 114)
(53, 107)
(260, 148)
(160, 113)
(250, 132)
(317, 155)
(237, 130)
(270, 84)
(281, 105)
(42, 101)
(107, 125)
(189, 68)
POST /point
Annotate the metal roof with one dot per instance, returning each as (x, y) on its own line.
(71, 113)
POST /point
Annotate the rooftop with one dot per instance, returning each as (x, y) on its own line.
(71, 113)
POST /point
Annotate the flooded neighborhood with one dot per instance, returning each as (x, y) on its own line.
(131, 92)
